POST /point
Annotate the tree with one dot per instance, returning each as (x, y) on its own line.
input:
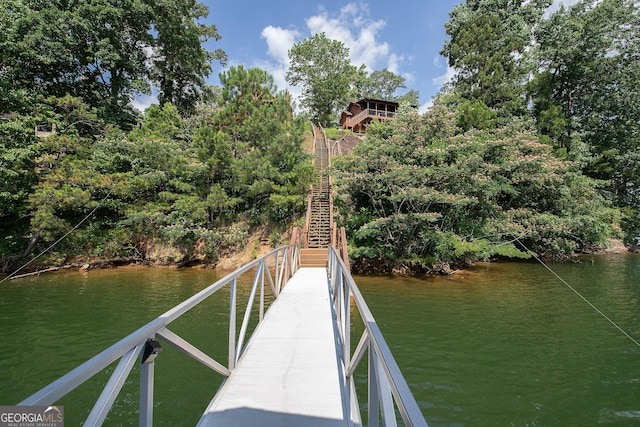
(181, 62)
(91, 50)
(66, 183)
(585, 94)
(322, 67)
(252, 148)
(412, 97)
(105, 52)
(19, 147)
(383, 84)
(488, 39)
(585, 85)
(408, 201)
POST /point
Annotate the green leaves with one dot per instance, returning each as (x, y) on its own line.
(322, 67)
(487, 41)
(251, 146)
(181, 63)
(585, 94)
(106, 52)
(414, 199)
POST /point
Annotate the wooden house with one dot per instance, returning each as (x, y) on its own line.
(359, 114)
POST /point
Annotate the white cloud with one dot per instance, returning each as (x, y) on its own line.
(426, 106)
(393, 63)
(353, 27)
(279, 41)
(142, 102)
(442, 79)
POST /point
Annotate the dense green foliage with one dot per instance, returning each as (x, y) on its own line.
(575, 71)
(174, 189)
(104, 52)
(487, 41)
(586, 96)
(383, 84)
(252, 150)
(533, 146)
(186, 181)
(421, 191)
(322, 67)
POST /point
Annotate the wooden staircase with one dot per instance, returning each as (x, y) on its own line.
(319, 229)
(320, 222)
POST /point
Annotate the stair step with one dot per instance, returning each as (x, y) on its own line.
(313, 257)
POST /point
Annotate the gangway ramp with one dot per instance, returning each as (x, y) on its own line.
(291, 373)
(297, 368)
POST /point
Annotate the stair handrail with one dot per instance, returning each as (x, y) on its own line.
(307, 222)
(286, 261)
(324, 137)
(342, 248)
(387, 388)
(318, 133)
(330, 189)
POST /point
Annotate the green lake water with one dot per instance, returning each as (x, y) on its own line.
(502, 344)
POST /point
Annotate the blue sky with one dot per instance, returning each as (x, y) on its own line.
(405, 37)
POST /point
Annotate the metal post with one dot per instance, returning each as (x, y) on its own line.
(232, 324)
(281, 274)
(386, 399)
(146, 394)
(337, 304)
(277, 287)
(247, 312)
(264, 267)
(347, 323)
(374, 390)
(110, 392)
(334, 270)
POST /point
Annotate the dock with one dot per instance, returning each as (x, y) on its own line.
(291, 372)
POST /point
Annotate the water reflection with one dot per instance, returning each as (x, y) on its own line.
(499, 344)
(508, 344)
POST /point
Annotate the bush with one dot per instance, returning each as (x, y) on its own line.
(423, 191)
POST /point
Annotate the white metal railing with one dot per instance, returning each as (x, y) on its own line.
(387, 388)
(285, 262)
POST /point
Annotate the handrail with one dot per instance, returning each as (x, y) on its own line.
(370, 112)
(387, 387)
(286, 262)
(331, 216)
(358, 117)
(338, 235)
(342, 249)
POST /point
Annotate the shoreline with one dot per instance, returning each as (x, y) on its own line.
(232, 263)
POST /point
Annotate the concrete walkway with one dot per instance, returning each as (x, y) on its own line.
(290, 373)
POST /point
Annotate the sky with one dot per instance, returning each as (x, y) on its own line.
(404, 37)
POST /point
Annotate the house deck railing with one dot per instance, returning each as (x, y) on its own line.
(364, 114)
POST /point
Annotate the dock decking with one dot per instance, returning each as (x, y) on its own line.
(291, 372)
